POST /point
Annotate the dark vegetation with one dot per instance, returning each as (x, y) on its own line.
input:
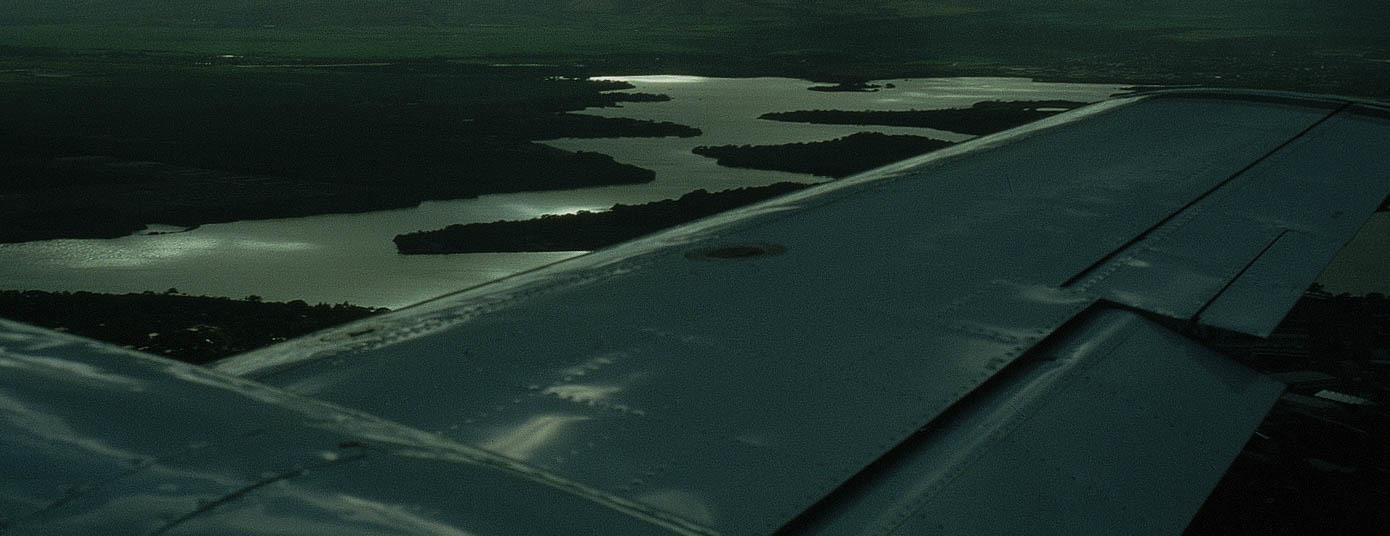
(1315, 466)
(593, 230)
(982, 118)
(195, 329)
(836, 158)
(97, 148)
(1329, 46)
(857, 86)
(138, 104)
(584, 230)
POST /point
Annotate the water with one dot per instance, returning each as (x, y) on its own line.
(350, 257)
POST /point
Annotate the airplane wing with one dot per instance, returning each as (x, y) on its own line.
(1000, 337)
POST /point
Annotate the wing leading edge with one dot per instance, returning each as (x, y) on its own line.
(940, 343)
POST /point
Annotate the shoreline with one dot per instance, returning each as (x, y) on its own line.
(170, 144)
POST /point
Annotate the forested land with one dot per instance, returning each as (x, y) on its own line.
(594, 230)
(97, 148)
(840, 157)
(981, 118)
(1330, 46)
(584, 230)
(201, 111)
(195, 329)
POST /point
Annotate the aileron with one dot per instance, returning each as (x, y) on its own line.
(1242, 254)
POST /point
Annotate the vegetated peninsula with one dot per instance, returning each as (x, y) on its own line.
(194, 329)
(840, 157)
(981, 118)
(594, 230)
(584, 230)
(109, 144)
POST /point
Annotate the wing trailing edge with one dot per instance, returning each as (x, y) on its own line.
(1115, 425)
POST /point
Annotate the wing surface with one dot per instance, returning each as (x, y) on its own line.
(737, 371)
(1116, 426)
(111, 441)
(969, 341)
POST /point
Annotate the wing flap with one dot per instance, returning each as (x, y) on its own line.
(1181, 265)
(1118, 427)
(1239, 257)
(1257, 301)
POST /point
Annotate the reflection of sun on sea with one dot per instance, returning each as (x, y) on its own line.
(532, 211)
(142, 250)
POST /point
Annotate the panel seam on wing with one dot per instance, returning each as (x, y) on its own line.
(1018, 419)
(204, 507)
(1192, 206)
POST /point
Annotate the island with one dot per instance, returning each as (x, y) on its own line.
(981, 118)
(840, 157)
(851, 86)
(584, 230)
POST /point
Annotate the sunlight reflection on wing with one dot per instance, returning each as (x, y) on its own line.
(521, 442)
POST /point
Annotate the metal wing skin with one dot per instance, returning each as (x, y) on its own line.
(994, 338)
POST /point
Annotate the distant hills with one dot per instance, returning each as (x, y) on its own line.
(1334, 46)
(465, 12)
(407, 12)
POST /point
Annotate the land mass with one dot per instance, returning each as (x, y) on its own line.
(194, 329)
(104, 147)
(594, 230)
(584, 230)
(1331, 46)
(982, 118)
(840, 157)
